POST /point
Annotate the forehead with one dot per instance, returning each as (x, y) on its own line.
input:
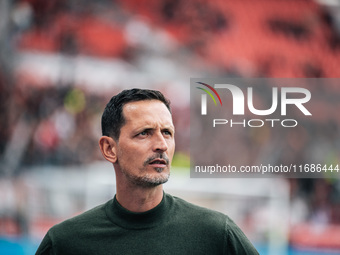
(146, 111)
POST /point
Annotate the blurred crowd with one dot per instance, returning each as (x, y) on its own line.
(53, 122)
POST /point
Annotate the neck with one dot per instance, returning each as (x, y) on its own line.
(139, 199)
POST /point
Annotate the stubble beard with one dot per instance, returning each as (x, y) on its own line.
(147, 180)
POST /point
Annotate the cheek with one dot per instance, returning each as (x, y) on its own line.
(171, 146)
(130, 154)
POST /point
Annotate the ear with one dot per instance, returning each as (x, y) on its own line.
(108, 147)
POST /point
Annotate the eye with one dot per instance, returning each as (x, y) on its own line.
(167, 133)
(143, 133)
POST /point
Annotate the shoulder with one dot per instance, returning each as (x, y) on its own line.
(213, 224)
(188, 212)
(193, 209)
(74, 232)
(236, 240)
(84, 221)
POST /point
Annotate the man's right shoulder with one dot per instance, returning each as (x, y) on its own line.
(69, 234)
(86, 220)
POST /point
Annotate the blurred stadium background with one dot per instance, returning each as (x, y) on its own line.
(62, 60)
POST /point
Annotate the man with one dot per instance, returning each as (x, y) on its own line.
(138, 139)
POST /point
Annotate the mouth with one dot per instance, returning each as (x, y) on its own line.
(159, 163)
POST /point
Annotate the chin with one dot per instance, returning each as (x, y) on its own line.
(152, 181)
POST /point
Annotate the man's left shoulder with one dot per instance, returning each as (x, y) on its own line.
(195, 212)
(213, 224)
(193, 207)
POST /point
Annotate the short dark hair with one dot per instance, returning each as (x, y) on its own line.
(113, 118)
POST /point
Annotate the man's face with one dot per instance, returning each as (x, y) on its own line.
(146, 143)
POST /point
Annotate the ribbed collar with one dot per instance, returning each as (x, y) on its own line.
(132, 220)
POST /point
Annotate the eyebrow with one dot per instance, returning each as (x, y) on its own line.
(151, 127)
(171, 128)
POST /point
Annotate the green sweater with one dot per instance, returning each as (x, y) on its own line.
(173, 227)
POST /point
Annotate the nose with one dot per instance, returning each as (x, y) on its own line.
(160, 143)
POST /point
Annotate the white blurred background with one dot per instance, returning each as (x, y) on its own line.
(61, 61)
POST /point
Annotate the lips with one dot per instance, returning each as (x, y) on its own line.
(158, 161)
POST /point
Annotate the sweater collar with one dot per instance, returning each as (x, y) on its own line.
(132, 220)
